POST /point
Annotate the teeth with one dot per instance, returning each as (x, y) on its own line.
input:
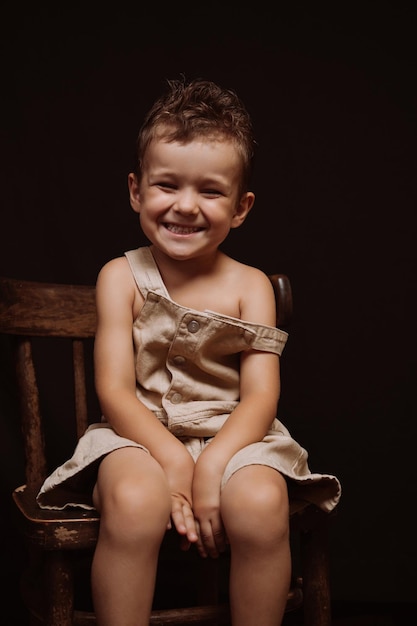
(181, 230)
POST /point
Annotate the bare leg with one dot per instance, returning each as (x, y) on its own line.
(133, 498)
(255, 513)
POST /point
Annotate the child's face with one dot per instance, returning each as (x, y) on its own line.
(188, 196)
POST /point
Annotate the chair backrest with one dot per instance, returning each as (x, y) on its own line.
(31, 310)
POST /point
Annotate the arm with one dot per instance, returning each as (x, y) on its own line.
(118, 302)
(248, 423)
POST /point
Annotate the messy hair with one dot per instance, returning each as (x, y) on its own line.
(199, 109)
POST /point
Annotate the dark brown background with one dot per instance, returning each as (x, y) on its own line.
(332, 93)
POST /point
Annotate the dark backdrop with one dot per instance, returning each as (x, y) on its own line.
(332, 93)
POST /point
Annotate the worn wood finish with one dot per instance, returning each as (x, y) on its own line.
(283, 297)
(39, 309)
(31, 425)
(57, 538)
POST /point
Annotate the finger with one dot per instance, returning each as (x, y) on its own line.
(183, 519)
(190, 524)
(200, 544)
(208, 540)
(177, 517)
(220, 539)
(213, 537)
(184, 544)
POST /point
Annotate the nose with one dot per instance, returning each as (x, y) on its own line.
(187, 202)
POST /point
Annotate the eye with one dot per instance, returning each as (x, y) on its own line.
(211, 193)
(163, 184)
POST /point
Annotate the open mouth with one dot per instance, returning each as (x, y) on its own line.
(182, 230)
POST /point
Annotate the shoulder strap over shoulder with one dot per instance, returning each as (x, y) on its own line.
(145, 271)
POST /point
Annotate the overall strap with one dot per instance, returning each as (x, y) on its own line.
(146, 272)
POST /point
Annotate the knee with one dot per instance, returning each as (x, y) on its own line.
(256, 511)
(135, 509)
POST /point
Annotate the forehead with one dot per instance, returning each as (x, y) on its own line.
(215, 146)
(211, 156)
(195, 160)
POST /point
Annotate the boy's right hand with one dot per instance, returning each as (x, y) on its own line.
(179, 470)
(183, 519)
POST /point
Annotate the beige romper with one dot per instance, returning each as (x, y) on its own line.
(187, 372)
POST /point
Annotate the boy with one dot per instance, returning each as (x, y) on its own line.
(190, 436)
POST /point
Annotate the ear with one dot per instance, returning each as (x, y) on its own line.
(242, 209)
(133, 184)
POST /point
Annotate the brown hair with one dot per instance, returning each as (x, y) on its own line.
(199, 108)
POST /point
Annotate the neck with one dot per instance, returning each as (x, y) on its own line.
(174, 270)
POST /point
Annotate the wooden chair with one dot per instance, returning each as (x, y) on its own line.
(58, 542)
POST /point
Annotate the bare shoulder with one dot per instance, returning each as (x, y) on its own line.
(257, 298)
(251, 273)
(114, 272)
(115, 286)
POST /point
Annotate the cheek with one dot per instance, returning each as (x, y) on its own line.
(155, 200)
(151, 212)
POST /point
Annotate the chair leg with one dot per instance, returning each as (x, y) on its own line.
(60, 589)
(316, 578)
(208, 588)
(209, 591)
